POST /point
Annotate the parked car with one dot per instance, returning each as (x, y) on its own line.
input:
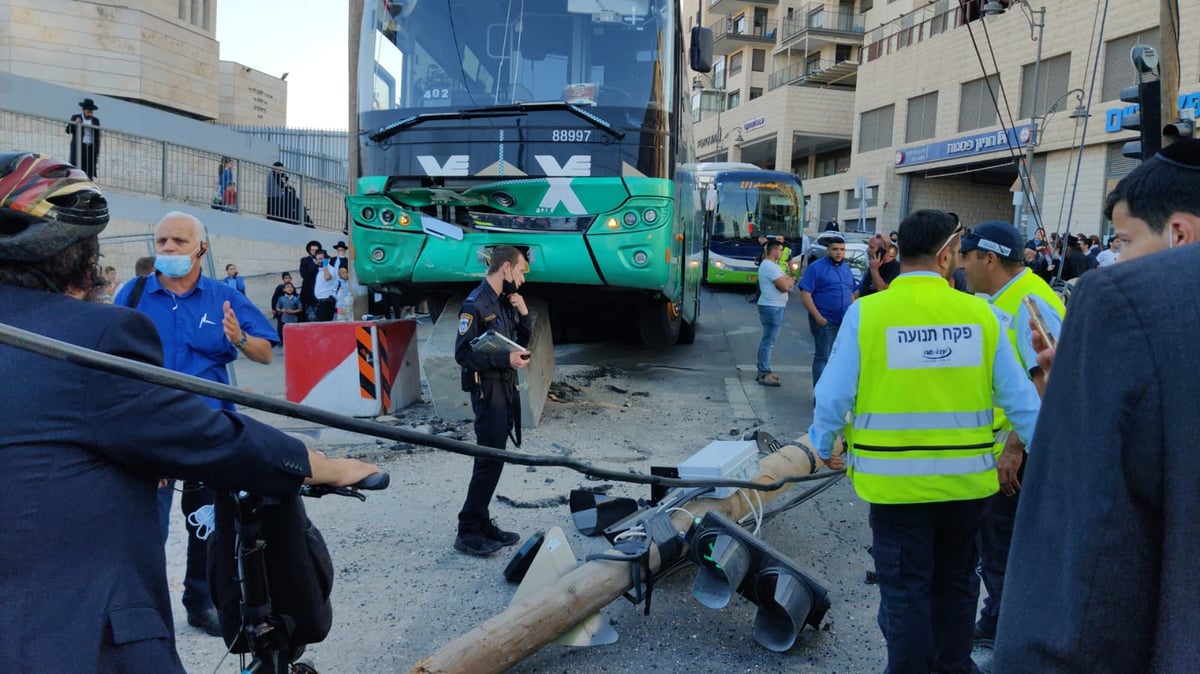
(856, 251)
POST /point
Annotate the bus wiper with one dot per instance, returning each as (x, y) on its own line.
(578, 111)
(518, 109)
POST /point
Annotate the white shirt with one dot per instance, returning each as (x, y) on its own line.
(768, 294)
(325, 287)
(1107, 256)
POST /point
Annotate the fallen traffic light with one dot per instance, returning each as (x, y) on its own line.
(731, 560)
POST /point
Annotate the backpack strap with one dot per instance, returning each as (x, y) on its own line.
(135, 295)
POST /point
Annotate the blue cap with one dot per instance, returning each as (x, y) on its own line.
(996, 236)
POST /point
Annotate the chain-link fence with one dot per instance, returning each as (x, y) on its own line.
(172, 172)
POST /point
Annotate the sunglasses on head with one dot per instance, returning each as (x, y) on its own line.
(957, 230)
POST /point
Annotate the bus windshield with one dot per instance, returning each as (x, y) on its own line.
(423, 56)
(748, 207)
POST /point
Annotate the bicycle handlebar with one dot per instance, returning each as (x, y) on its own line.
(375, 481)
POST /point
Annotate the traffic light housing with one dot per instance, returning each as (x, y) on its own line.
(1183, 128)
(730, 559)
(1147, 120)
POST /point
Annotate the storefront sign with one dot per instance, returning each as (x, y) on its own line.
(754, 123)
(966, 146)
(1112, 118)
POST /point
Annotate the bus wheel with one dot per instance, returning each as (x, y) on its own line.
(659, 323)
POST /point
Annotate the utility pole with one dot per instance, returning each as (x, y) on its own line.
(1168, 61)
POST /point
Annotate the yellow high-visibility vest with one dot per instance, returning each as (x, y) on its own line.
(1009, 302)
(922, 430)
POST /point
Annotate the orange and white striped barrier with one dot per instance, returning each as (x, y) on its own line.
(357, 368)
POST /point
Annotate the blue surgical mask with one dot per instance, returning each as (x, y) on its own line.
(174, 266)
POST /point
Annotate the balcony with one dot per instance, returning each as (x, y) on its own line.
(919, 25)
(813, 72)
(730, 35)
(819, 24)
(735, 6)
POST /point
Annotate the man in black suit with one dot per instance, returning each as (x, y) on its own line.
(85, 149)
(1102, 573)
(83, 584)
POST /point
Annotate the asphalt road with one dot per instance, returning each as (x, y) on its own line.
(401, 591)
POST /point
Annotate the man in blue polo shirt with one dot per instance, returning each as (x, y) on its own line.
(826, 291)
(203, 324)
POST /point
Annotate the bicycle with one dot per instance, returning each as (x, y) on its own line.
(271, 638)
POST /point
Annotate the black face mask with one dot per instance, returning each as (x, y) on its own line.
(508, 287)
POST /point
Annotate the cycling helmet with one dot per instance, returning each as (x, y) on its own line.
(46, 205)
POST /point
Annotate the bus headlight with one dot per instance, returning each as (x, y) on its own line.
(368, 213)
(630, 218)
(377, 255)
(387, 216)
(650, 215)
(640, 258)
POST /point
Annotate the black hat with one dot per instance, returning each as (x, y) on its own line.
(278, 163)
(1183, 153)
(998, 237)
(88, 104)
(340, 244)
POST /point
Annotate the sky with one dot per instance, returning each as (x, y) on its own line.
(307, 39)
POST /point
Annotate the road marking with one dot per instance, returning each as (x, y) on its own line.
(738, 402)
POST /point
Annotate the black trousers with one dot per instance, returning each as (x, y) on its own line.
(494, 414)
(925, 561)
(196, 597)
(995, 539)
(87, 159)
(326, 308)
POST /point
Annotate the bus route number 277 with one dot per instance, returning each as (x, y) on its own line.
(571, 135)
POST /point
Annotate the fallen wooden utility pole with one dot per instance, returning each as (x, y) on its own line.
(525, 627)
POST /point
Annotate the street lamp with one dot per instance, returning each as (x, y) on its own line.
(698, 85)
(1037, 28)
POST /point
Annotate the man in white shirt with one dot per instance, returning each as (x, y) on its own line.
(325, 288)
(1110, 255)
(773, 287)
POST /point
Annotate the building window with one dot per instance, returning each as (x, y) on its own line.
(739, 25)
(921, 122)
(735, 63)
(755, 92)
(976, 109)
(718, 74)
(735, 99)
(1053, 77)
(1118, 71)
(758, 60)
(875, 129)
(872, 197)
(866, 5)
(832, 163)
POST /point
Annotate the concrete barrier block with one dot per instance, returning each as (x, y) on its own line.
(443, 374)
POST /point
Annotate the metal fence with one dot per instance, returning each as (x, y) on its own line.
(320, 153)
(182, 174)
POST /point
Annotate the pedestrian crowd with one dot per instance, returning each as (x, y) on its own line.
(977, 464)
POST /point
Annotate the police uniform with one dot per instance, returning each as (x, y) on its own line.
(920, 367)
(493, 387)
(995, 533)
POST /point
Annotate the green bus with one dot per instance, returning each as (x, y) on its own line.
(557, 127)
(743, 205)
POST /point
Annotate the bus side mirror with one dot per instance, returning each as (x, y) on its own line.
(701, 52)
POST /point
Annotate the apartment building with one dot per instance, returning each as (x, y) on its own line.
(161, 53)
(884, 106)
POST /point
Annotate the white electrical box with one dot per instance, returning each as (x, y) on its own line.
(722, 459)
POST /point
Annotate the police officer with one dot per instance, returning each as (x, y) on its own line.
(994, 261)
(920, 367)
(491, 379)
